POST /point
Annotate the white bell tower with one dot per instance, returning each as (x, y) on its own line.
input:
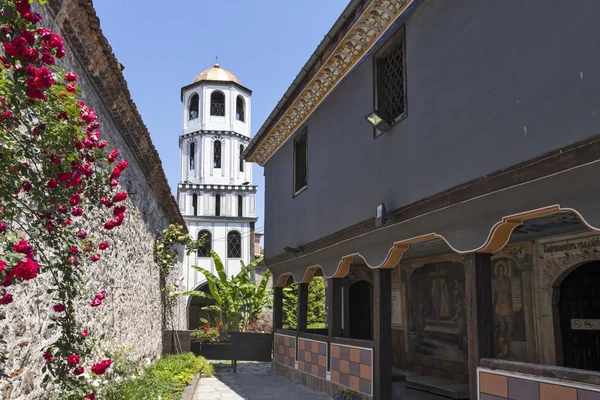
(215, 190)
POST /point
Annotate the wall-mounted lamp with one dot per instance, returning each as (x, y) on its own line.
(292, 249)
(378, 121)
(381, 217)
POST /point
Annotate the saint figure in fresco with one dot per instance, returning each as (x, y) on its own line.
(502, 303)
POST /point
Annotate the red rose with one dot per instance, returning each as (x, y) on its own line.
(95, 257)
(114, 183)
(101, 144)
(74, 250)
(54, 41)
(101, 246)
(78, 370)
(121, 165)
(81, 235)
(59, 307)
(90, 396)
(52, 183)
(77, 211)
(23, 7)
(64, 176)
(101, 295)
(119, 210)
(6, 298)
(84, 333)
(27, 269)
(95, 303)
(62, 209)
(113, 155)
(2, 265)
(70, 77)
(60, 53)
(30, 54)
(48, 356)
(74, 261)
(73, 359)
(115, 174)
(2, 227)
(120, 196)
(101, 367)
(23, 247)
(71, 89)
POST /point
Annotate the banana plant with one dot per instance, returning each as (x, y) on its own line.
(237, 301)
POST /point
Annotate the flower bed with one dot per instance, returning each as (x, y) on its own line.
(166, 379)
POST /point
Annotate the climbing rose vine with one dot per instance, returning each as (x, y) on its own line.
(59, 192)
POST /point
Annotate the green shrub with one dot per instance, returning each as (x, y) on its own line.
(165, 379)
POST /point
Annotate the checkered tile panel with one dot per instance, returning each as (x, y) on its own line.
(312, 357)
(352, 367)
(284, 350)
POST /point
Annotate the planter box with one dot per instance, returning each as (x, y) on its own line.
(212, 351)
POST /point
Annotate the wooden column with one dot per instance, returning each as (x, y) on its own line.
(277, 308)
(334, 322)
(302, 306)
(480, 313)
(382, 334)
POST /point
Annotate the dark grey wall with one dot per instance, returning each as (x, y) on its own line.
(490, 84)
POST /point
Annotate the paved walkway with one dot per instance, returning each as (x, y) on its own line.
(253, 381)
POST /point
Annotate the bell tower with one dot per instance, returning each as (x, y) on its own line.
(215, 191)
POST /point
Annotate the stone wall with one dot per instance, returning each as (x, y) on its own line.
(132, 314)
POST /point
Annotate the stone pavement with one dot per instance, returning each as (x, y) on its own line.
(253, 381)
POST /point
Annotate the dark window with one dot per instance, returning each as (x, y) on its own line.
(217, 154)
(218, 205)
(217, 104)
(204, 250)
(192, 154)
(241, 159)
(300, 163)
(234, 245)
(195, 204)
(390, 70)
(194, 106)
(240, 206)
(239, 109)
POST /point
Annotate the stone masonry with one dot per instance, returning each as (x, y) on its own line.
(132, 314)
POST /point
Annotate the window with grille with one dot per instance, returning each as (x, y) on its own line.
(239, 109)
(192, 154)
(194, 101)
(204, 250)
(391, 80)
(218, 205)
(195, 204)
(300, 163)
(217, 104)
(240, 206)
(217, 154)
(241, 159)
(234, 245)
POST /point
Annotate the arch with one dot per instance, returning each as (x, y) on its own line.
(217, 103)
(217, 205)
(234, 244)
(217, 154)
(194, 105)
(240, 109)
(578, 301)
(204, 250)
(241, 158)
(498, 237)
(192, 154)
(194, 204)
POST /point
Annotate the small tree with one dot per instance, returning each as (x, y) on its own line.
(237, 301)
(316, 303)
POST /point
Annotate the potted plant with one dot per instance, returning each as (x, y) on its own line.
(208, 334)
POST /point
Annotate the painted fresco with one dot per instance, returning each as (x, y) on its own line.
(508, 302)
(437, 324)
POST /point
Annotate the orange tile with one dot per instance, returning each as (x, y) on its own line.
(427, 361)
(447, 365)
(355, 383)
(355, 355)
(418, 369)
(365, 371)
(314, 347)
(292, 352)
(335, 376)
(315, 369)
(557, 392)
(308, 356)
(493, 384)
(345, 366)
(323, 361)
(301, 344)
(286, 340)
(335, 351)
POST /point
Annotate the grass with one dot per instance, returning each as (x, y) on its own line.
(317, 325)
(166, 379)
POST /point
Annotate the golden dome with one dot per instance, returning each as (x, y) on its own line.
(217, 73)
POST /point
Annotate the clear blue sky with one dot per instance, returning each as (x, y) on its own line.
(164, 45)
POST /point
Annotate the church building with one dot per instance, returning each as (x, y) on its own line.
(215, 191)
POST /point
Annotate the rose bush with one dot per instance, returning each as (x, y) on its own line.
(56, 173)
